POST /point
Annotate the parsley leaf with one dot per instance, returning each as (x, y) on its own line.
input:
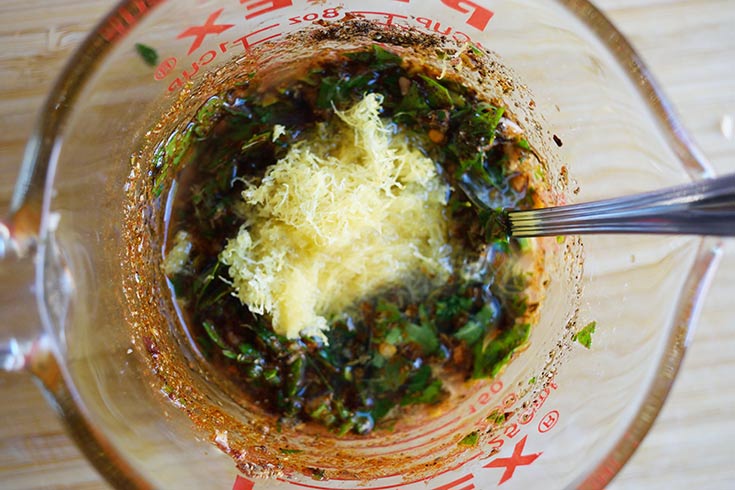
(394, 336)
(424, 336)
(470, 333)
(496, 417)
(214, 335)
(470, 439)
(437, 94)
(481, 323)
(584, 336)
(148, 54)
(490, 359)
(422, 388)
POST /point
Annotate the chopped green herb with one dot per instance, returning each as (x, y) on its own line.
(290, 451)
(376, 58)
(524, 244)
(424, 335)
(345, 428)
(382, 408)
(437, 94)
(422, 388)
(317, 474)
(430, 394)
(470, 439)
(170, 155)
(584, 336)
(411, 104)
(330, 92)
(496, 417)
(492, 357)
(386, 57)
(214, 336)
(395, 348)
(229, 354)
(453, 306)
(394, 336)
(257, 140)
(482, 322)
(471, 333)
(207, 115)
(523, 143)
(390, 311)
(148, 54)
(378, 361)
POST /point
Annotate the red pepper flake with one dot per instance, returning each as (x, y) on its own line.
(436, 136)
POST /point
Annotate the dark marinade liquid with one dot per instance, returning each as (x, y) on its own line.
(388, 351)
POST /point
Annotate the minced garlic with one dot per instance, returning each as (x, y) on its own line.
(351, 210)
(178, 257)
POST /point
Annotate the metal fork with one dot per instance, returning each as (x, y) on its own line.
(705, 207)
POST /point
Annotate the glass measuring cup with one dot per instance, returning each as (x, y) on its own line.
(77, 211)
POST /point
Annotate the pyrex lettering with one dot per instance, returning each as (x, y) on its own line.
(268, 6)
(200, 32)
(480, 17)
(326, 14)
(514, 461)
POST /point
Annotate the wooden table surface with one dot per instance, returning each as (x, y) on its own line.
(690, 47)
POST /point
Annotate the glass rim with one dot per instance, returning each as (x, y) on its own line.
(37, 175)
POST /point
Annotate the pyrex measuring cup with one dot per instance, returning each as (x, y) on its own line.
(574, 425)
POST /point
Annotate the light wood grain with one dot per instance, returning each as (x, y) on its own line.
(689, 45)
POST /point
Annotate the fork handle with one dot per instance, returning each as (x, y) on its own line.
(706, 207)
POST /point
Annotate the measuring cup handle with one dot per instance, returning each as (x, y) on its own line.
(21, 332)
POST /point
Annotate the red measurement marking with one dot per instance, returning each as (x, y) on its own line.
(516, 460)
(166, 67)
(486, 396)
(549, 421)
(319, 487)
(270, 6)
(457, 483)
(424, 434)
(458, 466)
(243, 484)
(385, 487)
(326, 14)
(436, 26)
(412, 449)
(247, 43)
(480, 16)
(538, 402)
(200, 32)
(512, 430)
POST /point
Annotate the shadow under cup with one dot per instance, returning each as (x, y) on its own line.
(572, 417)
